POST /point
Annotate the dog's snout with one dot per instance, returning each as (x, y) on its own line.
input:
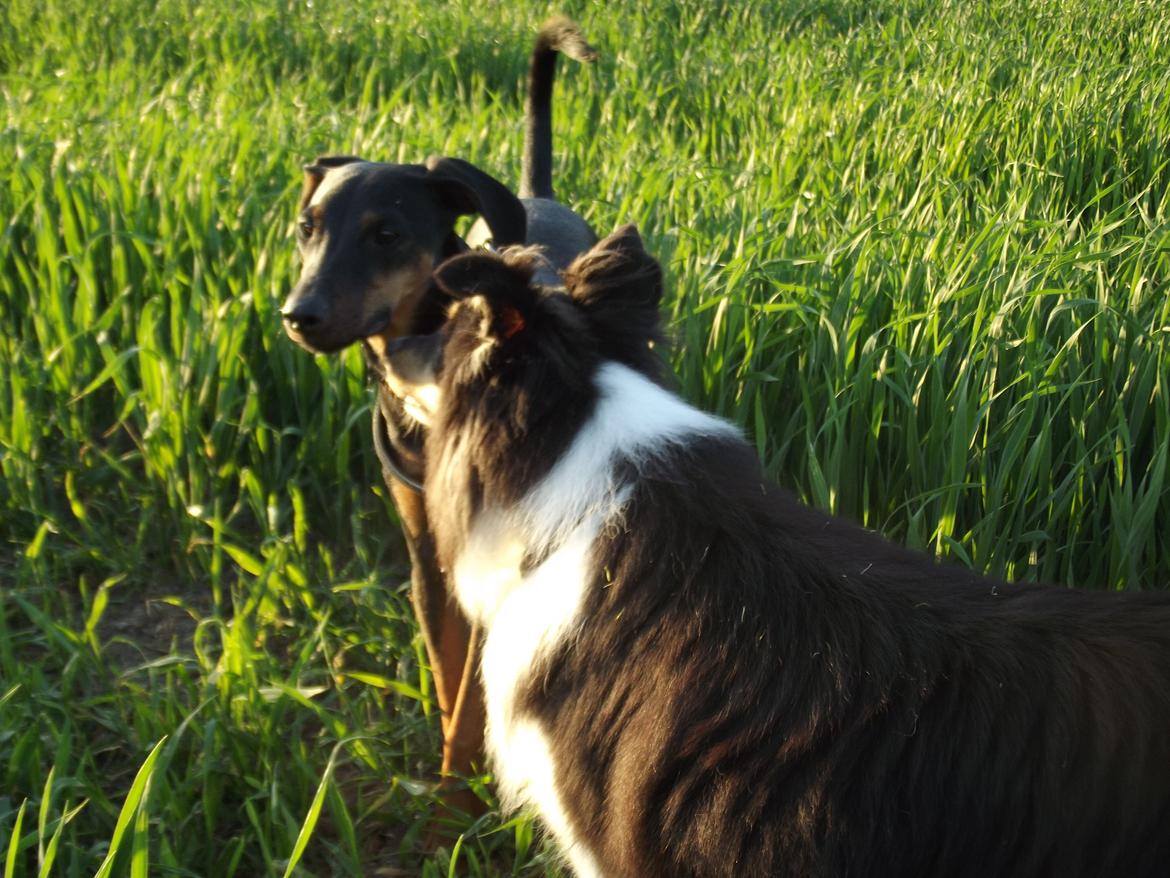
(304, 315)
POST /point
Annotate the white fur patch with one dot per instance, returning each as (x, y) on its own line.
(420, 401)
(532, 616)
(475, 362)
(634, 419)
(418, 412)
(527, 616)
(529, 747)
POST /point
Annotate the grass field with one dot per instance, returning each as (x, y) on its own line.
(919, 250)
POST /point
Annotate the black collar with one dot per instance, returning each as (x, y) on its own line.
(384, 444)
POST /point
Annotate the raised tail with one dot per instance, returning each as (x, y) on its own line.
(558, 34)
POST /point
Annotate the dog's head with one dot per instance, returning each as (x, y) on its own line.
(369, 235)
(514, 349)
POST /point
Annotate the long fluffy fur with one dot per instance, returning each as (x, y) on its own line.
(733, 683)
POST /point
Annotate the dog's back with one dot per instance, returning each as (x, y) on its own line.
(753, 688)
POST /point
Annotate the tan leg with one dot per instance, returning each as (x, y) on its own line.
(453, 652)
(463, 737)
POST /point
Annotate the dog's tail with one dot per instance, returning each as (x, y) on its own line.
(558, 34)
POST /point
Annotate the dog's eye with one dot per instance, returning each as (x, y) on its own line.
(385, 235)
(305, 229)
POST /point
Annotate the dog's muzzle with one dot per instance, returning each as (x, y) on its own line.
(303, 316)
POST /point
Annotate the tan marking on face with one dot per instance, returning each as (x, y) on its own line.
(377, 344)
(401, 291)
(410, 284)
(313, 178)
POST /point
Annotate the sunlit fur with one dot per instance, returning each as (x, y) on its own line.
(690, 673)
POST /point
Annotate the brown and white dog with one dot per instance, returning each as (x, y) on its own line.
(369, 234)
(688, 672)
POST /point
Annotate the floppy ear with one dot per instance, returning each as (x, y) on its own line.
(619, 285)
(503, 290)
(315, 172)
(616, 273)
(466, 189)
(481, 273)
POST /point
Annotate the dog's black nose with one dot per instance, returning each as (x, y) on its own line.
(304, 315)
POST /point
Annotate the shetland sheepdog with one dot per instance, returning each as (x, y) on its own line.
(688, 672)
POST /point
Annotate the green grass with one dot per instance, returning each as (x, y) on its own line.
(919, 250)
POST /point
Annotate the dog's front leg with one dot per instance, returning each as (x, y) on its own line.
(452, 646)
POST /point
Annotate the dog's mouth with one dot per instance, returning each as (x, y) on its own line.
(318, 339)
(378, 323)
(310, 343)
(378, 339)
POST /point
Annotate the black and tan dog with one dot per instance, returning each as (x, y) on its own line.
(369, 234)
(689, 673)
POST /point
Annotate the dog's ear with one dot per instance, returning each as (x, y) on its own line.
(315, 172)
(466, 189)
(501, 287)
(619, 285)
(616, 279)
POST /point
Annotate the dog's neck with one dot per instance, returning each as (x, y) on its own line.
(399, 450)
(586, 485)
(398, 440)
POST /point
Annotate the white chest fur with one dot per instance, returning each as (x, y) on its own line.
(527, 616)
(531, 618)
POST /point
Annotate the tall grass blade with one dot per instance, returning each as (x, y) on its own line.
(14, 843)
(310, 821)
(134, 798)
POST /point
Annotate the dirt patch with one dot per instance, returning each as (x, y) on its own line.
(143, 624)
